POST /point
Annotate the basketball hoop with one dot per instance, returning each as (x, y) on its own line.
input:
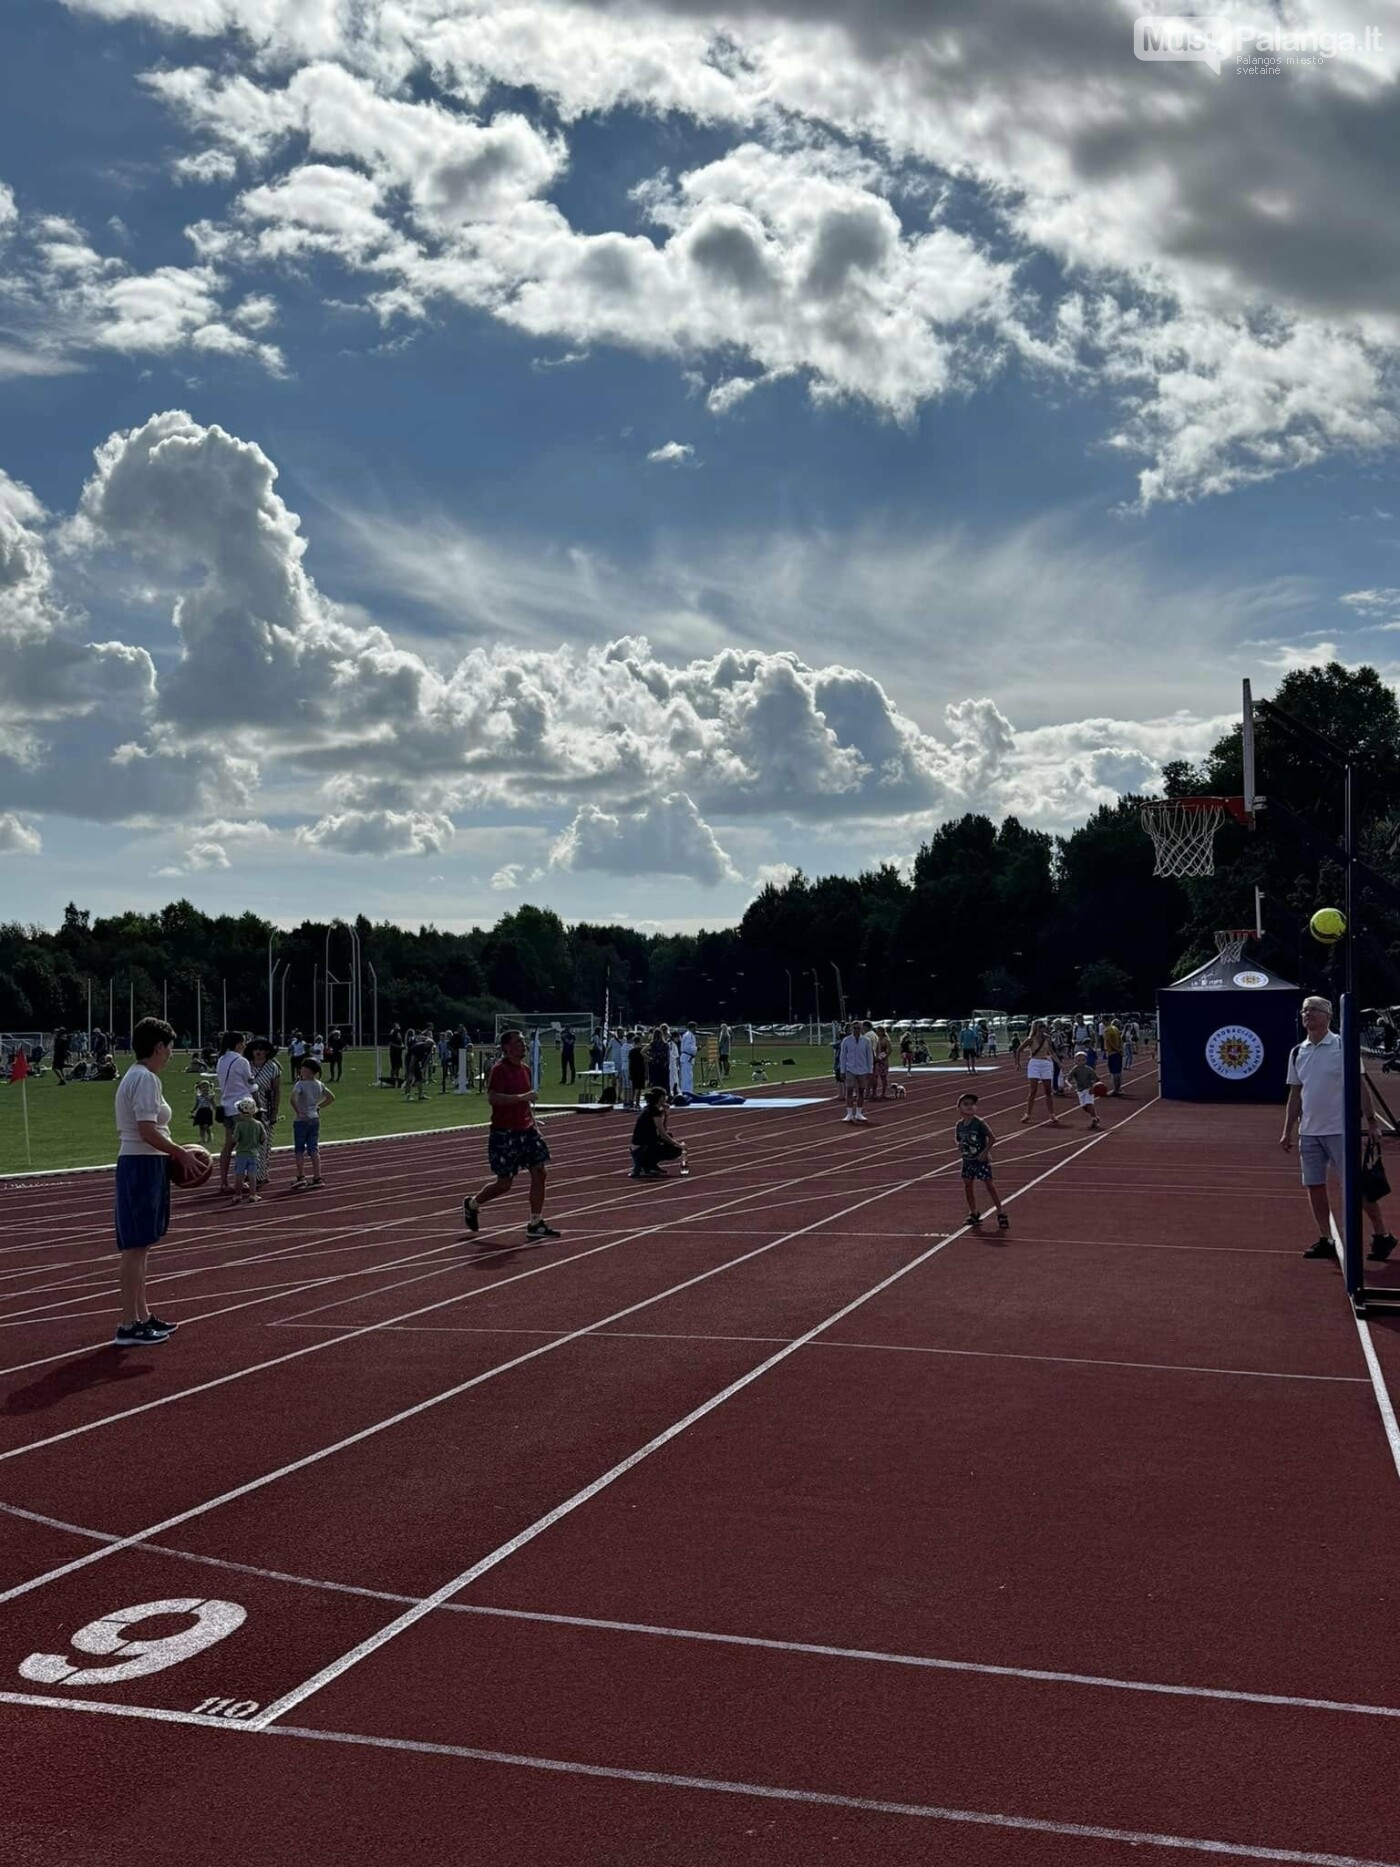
(1183, 832)
(1230, 941)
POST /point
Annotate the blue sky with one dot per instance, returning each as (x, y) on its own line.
(360, 398)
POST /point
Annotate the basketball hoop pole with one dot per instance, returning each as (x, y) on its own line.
(1323, 749)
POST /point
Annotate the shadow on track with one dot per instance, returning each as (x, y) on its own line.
(102, 1368)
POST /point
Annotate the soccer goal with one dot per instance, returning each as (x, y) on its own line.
(550, 1024)
(544, 1031)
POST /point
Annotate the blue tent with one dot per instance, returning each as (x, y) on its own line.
(1225, 1031)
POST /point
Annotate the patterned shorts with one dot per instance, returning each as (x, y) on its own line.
(977, 1170)
(516, 1150)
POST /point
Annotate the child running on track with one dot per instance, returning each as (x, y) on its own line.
(515, 1143)
(1084, 1077)
(975, 1140)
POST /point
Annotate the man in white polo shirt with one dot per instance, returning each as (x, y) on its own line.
(857, 1060)
(1315, 1113)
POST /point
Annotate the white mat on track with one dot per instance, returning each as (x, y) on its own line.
(691, 1108)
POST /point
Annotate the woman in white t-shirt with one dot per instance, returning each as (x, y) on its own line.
(144, 1160)
(235, 1081)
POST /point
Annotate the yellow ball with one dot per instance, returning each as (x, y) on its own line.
(1328, 925)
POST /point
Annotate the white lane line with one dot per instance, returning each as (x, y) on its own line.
(433, 1400)
(875, 1348)
(682, 1215)
(1373, 1367)
(865, 1655)
(17, 1180)
(1382, 1392)
(766, 1792)
(785, 1154)
(414, 1614)
(456, 1245)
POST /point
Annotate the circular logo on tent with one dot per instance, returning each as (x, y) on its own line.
(1234, 1052)
(1251, 981)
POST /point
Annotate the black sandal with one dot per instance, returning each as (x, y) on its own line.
(974, 1218)
(1003, 1222)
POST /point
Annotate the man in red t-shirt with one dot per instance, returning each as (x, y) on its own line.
(516, 1144)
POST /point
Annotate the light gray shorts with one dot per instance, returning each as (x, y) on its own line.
(1315, 1153)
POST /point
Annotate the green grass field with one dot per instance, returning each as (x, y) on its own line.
(71, 1126)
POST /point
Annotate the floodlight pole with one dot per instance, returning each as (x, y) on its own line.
(840, 991)
(374, 986)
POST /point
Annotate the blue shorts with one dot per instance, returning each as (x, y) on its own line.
(142, 1200)
(306, 1136)
(245, 1163)
(977, 1170)
(1115, 1062)
(516, 1150)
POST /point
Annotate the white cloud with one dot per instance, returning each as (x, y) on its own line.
(209, 165)
(78, 727)
(65, 300)
(1248, 330)
(673, 454)
(510, 877)
(198, 858)
(17, 838)
(666, 837)
(380, 833)
(773, 875)
(649, 760)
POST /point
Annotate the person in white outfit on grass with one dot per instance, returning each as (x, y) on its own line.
(857, 1061)
(690, 1049)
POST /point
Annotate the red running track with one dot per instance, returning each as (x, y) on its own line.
(767, 1515)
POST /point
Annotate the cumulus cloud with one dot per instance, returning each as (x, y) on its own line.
(78, 726)
(653, 761)
(667, 837)
(380, 833)
(17, 838)
(1245, 331)
(66, 300)
(672, 454)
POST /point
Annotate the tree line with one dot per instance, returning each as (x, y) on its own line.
(988, 915)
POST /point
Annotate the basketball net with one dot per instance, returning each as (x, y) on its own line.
(1230, 941)
(1183, 834)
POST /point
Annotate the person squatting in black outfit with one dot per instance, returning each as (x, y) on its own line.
(652, 1140)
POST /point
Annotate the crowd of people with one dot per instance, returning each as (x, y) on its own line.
(244, 1096)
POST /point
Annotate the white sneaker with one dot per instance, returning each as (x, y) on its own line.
(860, 1114)
(850, 1115)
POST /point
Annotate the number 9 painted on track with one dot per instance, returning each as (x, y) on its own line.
(214, 1620)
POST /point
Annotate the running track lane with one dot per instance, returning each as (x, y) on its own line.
(812, 1481)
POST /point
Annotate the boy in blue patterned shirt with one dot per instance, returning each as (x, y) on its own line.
(975, 1141)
